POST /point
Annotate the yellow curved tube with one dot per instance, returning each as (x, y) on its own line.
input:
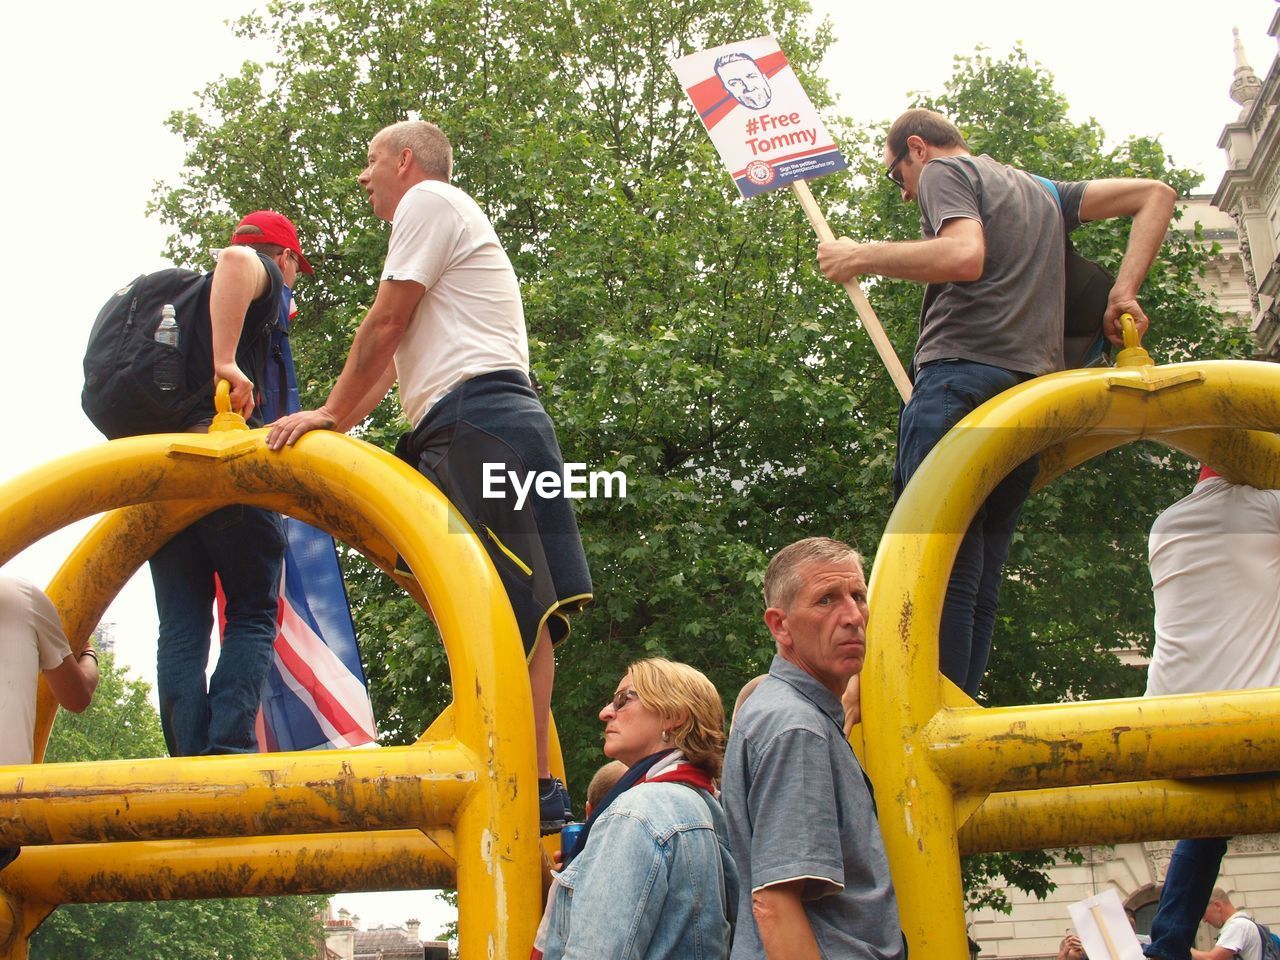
(485, 787)
(932, 753)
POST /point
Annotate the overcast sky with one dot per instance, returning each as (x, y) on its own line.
(86, 88)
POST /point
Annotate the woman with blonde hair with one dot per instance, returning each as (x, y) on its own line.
(651, 876)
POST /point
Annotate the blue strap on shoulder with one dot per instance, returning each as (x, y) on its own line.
(1052, 188)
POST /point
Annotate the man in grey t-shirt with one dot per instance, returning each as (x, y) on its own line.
(802, 818)
(993, 257)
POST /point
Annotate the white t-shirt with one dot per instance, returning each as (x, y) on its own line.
(1240, 934)
(471, 320)
(31, 640)
(1215, 567)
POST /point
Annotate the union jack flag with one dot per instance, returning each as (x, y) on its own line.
(316, 695)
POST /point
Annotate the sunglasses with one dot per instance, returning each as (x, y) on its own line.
(892, 173)
(622, 698)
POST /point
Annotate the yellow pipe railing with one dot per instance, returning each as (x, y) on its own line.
(486, 780)
(951, 777)
(244, 867)
(1123, 813)
(246, 795)
(1105, 741)
(934, 756)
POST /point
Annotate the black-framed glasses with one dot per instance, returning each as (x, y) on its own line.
(622, 698)
(892, 173)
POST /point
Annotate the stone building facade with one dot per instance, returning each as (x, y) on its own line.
(1250, 190)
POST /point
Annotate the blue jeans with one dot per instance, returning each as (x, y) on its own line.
(943, 394)
(244, 546)
(1188, 883)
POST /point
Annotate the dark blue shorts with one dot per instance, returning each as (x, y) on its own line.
(496, 418)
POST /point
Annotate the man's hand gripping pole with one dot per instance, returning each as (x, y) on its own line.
(870, 322)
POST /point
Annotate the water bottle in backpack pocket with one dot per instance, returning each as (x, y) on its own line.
(135, 369)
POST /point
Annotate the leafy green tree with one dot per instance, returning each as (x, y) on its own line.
(678, 333)
(268, 928)
(122, 724)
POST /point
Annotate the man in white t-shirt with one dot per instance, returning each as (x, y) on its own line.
(1240, 936)
(1215, 563)
(31, 641)
(448, 324)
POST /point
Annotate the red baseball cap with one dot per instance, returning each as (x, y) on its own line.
(275, 228)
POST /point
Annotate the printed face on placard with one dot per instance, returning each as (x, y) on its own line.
(765, 128)
(745, 81)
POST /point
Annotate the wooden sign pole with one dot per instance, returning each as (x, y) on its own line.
(870, 321)
(1112, 952)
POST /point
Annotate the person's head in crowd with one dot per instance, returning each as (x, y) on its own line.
(660, 704)
(400, 156)
(816, 599)
(747, 690)
(1220, 908)
(273, 235)
(915, 138)
(604, 780)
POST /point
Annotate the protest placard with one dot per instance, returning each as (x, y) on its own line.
(769, 135)
(1104, 929)
(760, 119)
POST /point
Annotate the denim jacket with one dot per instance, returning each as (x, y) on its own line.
(655, 882)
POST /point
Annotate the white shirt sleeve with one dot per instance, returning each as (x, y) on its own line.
(1240, 936)
(424, 238)
(54, 647)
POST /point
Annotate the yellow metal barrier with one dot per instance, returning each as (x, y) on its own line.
(461, 803)
(938, 760)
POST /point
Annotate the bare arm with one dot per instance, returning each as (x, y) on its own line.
(784, 927)
(955, 255)
(370, 400)
(851, 700)
(73, 681)
(1217, 953)
(367, 367)
(1150, 204)
(238, 280)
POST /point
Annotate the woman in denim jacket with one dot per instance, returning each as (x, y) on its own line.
(651, 877)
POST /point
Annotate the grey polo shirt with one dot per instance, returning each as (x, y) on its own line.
(800, 807)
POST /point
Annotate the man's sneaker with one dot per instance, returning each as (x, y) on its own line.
(554, 807)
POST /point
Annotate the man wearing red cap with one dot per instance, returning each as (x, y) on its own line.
(243, 545)
(448, 325)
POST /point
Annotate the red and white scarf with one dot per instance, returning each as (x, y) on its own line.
(670, 767)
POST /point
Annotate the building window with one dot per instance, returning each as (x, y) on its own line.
(1142, 907)
(1143, 916)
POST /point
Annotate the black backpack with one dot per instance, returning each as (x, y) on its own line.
(1088, 288)
(124, 365)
